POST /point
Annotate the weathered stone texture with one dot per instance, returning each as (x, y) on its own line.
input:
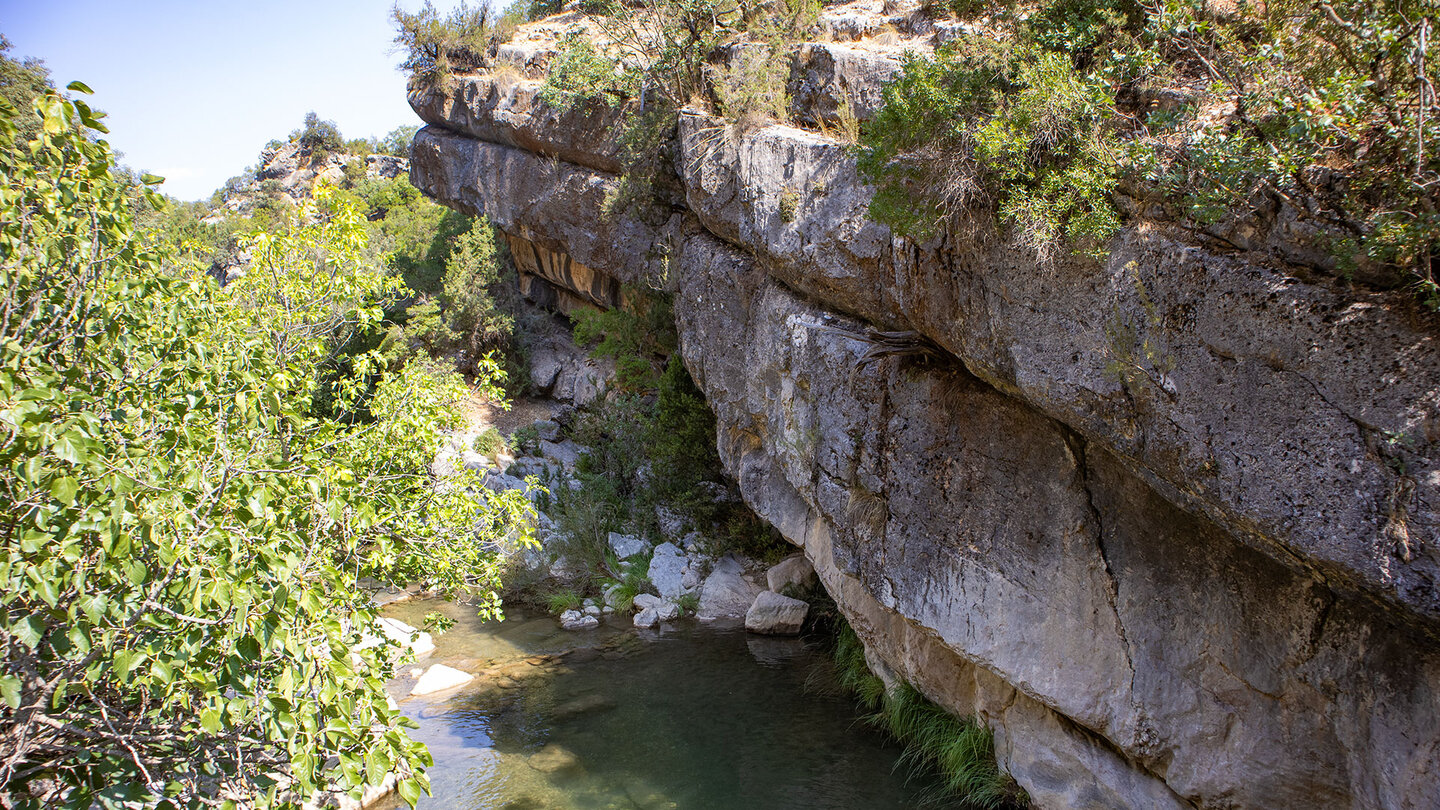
(1168, 524)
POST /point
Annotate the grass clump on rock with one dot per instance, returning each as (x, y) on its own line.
(959, 750)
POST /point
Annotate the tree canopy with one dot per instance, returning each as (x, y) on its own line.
(182, 539)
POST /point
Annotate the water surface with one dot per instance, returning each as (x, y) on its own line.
(690, 717)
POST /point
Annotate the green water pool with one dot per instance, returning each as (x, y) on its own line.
(690, 717)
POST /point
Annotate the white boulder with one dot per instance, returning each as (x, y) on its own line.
(794, 571)
(439, 678)
(776, 615)
(575, 620)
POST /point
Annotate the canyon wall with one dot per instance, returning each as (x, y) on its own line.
(1166, 523)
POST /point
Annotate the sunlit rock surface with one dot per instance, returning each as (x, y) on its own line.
(1166, 523)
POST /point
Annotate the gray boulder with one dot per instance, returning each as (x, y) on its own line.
(794, 571)
(500, 482)
(774, 615)
(672, 523)
(668, 567)
(625, 545)
(726, 593)
(648, 617)
(565, 453)
(547, 429)
(646, 601)
(575, 620)
(544, 370)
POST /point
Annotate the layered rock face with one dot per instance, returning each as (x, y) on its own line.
(1167, 524)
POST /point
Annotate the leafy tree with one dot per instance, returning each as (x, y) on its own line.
(471, 275)
(21, 82)
(180, 537)
(465, 318)
(319, 138)
(397, 141)
(435, 46)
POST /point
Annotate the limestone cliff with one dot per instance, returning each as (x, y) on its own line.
(1168, 523)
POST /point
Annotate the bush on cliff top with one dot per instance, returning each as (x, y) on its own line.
(1328, 107)
(435, 46)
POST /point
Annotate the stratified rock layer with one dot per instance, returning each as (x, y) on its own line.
(1167, 524)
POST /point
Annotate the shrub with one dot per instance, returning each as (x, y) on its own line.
(580, 74)
(561, 601)
(750, 88)
(688, 603)
(984, 124)
(489, 443)
(532, 10)
(526, 439)
(789, 205)
(1325, 107)
(434, 47)
(638, 336)
(318, 139)
(632, 580)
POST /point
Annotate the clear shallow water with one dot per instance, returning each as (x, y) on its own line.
(688, 718)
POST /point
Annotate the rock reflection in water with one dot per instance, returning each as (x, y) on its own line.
(688, 718)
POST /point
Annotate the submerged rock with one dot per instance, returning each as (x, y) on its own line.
(585, 704)
(416, 641)
(776, 615)
(553, 758)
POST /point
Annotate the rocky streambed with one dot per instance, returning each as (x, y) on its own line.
(684, 714)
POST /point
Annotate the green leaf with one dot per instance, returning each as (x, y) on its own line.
(79, 87)
(71, 448)
(125, 661)
(64, 490)
(151, 179)
(29, 631)
(10, 690)
(410, 791)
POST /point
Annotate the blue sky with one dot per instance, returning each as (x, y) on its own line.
(195, 88)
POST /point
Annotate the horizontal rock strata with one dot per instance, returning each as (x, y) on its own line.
(1167, 524)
